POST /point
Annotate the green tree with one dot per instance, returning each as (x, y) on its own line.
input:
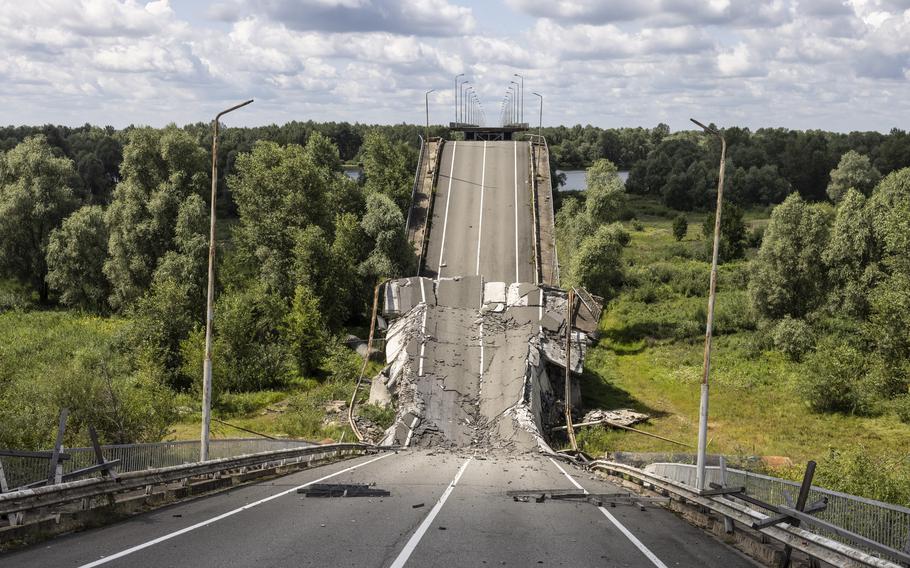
(597, 265)
(851, 256)
(788, 277)
(249, 352)
(75, 259)
(890, 214)
(35, 196)
(387, 169)
(305, 332)
(733, 235)
(279, 191)
(392, 254)
(606, 192)
(680, 227)
(160, 169)
(853, 171)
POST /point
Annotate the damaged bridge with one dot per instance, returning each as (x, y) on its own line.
(475, 341)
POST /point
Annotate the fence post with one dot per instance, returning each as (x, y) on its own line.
(800, 505)
(55, 468)
(728, 522)
(4, 486)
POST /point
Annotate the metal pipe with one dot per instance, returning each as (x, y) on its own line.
(209, 303)
(709, 327)
(570, 320)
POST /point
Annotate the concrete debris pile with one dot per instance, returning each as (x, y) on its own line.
(621, 416)
(467, 360)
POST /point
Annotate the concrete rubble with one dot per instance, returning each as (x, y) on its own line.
(468, 362)
(622, 416)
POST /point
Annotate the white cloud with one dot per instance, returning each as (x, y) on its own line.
(803, 63)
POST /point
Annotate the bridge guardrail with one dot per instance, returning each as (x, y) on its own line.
(417, 180)
(878, 521)
(542, 141)
(21, 471)
(23, 501)
(812, 543)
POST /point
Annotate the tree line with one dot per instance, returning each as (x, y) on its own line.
(299, 252)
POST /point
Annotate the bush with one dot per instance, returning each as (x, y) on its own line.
(382, 417)
(902, 407)
(638, 225)
(680, 227)
(793, 337)
(833, 379)
(755, 237)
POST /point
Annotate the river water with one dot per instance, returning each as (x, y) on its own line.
(575, 179)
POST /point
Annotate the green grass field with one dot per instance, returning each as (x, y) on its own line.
(650, 356)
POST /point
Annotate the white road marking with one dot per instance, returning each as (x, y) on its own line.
(445, 222)
(169, 536)
(483, 173)
(423, 343)
(418, 534)
(516, 210)
(638, 544)
(407, 441)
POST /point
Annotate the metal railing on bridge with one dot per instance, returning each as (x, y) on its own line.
(878, 521)
(20, 471)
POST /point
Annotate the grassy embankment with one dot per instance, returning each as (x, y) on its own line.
(38, 349)
(649, 358)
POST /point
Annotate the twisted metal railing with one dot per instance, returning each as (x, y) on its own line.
(884, 523)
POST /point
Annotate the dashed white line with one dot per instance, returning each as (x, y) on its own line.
(483, 172)
(638, 544)
(205, 523)
(445, 222)
(418, 534)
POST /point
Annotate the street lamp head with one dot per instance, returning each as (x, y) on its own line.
(536, 94)
(706, 128)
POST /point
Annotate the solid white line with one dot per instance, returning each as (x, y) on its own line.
(423, 329)
(445, 222)
(483, 173)
(638, 544)
(415, 538)
(169, 536)
(516, 210)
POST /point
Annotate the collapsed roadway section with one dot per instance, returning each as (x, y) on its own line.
(476, 345)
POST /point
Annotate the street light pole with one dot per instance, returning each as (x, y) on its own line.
(515, 100)
(456, 96)
(540, 119)
(709, 328)
(209, 303)
(463, 105)
(426, 102)
(521, 96)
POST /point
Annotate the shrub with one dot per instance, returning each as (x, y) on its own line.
(756, 235)
(680, 227)
(902, 407)
(382, 417)
(793, 337)
(833, 378)
(638, 225)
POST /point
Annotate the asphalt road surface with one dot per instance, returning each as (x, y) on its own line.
(482, 219)
(445, 509)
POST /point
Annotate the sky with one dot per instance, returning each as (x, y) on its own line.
(828, 64)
